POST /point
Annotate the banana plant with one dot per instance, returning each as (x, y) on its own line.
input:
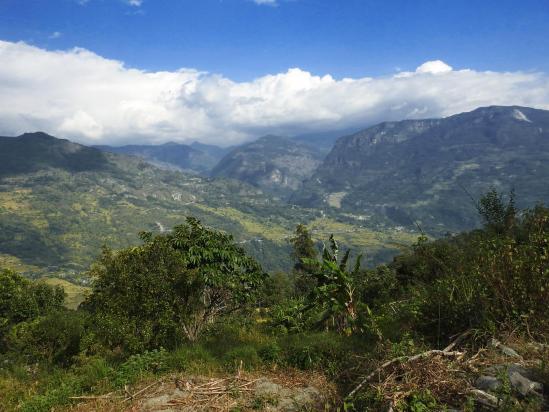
(334, 291)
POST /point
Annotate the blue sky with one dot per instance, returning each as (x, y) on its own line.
(227, 71)
(242, 40)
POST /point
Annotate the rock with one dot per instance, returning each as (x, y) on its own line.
(307, 396)
(524, 385)
(265, 387)
(281, 399)
(521, 379)
(487, 383)
(154, 403)
(505, 349)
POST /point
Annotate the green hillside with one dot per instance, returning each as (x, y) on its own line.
(65, 201)
(427, 171)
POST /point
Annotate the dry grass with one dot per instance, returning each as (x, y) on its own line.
(200, 393)
(450, 379)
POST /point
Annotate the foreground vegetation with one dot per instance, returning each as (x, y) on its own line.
(192, 301)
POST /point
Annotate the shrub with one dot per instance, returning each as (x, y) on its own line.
(22, 300)
(170, 288)
(54, 338)
(245, 356)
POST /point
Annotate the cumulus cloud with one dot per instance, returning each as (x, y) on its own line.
(82, 96)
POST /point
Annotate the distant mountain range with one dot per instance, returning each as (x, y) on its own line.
(426, 171)
(274, 164)
(61, 201)
(196, 158)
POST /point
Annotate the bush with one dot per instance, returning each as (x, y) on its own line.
(22, 300)
(54, 338)
(324, 350)
(136, 366)
(484, 279)
(169, 289)
(245, 356)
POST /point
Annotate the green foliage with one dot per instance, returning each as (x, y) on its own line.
(54, 338)
(303, 254)
(277, 288)
(421, 401)
(243, 356)
(325, 351)
(170, 288)
(334, 291)
(498, 216)
(136, 366)
(23, 300)
(481, 279)
(289, 316)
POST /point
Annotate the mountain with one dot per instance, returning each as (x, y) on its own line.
(324, 141)
(31, 152)
(61, 201)
(195, 158)
(274, 164)
(427, 171)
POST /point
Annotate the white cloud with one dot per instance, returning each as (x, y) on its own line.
(82, 96)
(135, 3)
(434, 67)
(55, 35)
(266, 2)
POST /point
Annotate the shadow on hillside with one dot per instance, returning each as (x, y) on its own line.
(32, 152)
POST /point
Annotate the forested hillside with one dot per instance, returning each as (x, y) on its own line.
(274, 164)
(186, 320)
(60, 202)
(431, 171)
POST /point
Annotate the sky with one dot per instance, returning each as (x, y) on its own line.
(227, 71)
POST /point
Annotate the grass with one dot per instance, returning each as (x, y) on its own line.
(17, 265)
(75, 294)
(251, 224)
(371, 241)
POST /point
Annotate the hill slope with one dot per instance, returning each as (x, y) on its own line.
(60, 202)
(425, 170)
(272, 163)
(194, 158)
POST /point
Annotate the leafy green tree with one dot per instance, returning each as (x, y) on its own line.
(22, 300)
(304, 255)
(170, 287)
(54, 338)
(498, 216)
(335, 290)
(277, 289)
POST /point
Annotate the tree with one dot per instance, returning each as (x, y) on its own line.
(170, 287)
(334, 291)
(304, 254)
(498, 216)
(22, 300)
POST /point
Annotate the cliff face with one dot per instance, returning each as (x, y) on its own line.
(424, 170)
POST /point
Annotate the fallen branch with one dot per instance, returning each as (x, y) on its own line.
(447, 351)
(401, 359)
(89, 397)
(457, 341)
(130, 397)
(485, 398)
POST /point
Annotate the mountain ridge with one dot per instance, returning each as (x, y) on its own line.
(272, 163)
(416, 171)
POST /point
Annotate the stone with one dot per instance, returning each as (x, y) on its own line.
(505, 349)
(524, 385)
(488, 383)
